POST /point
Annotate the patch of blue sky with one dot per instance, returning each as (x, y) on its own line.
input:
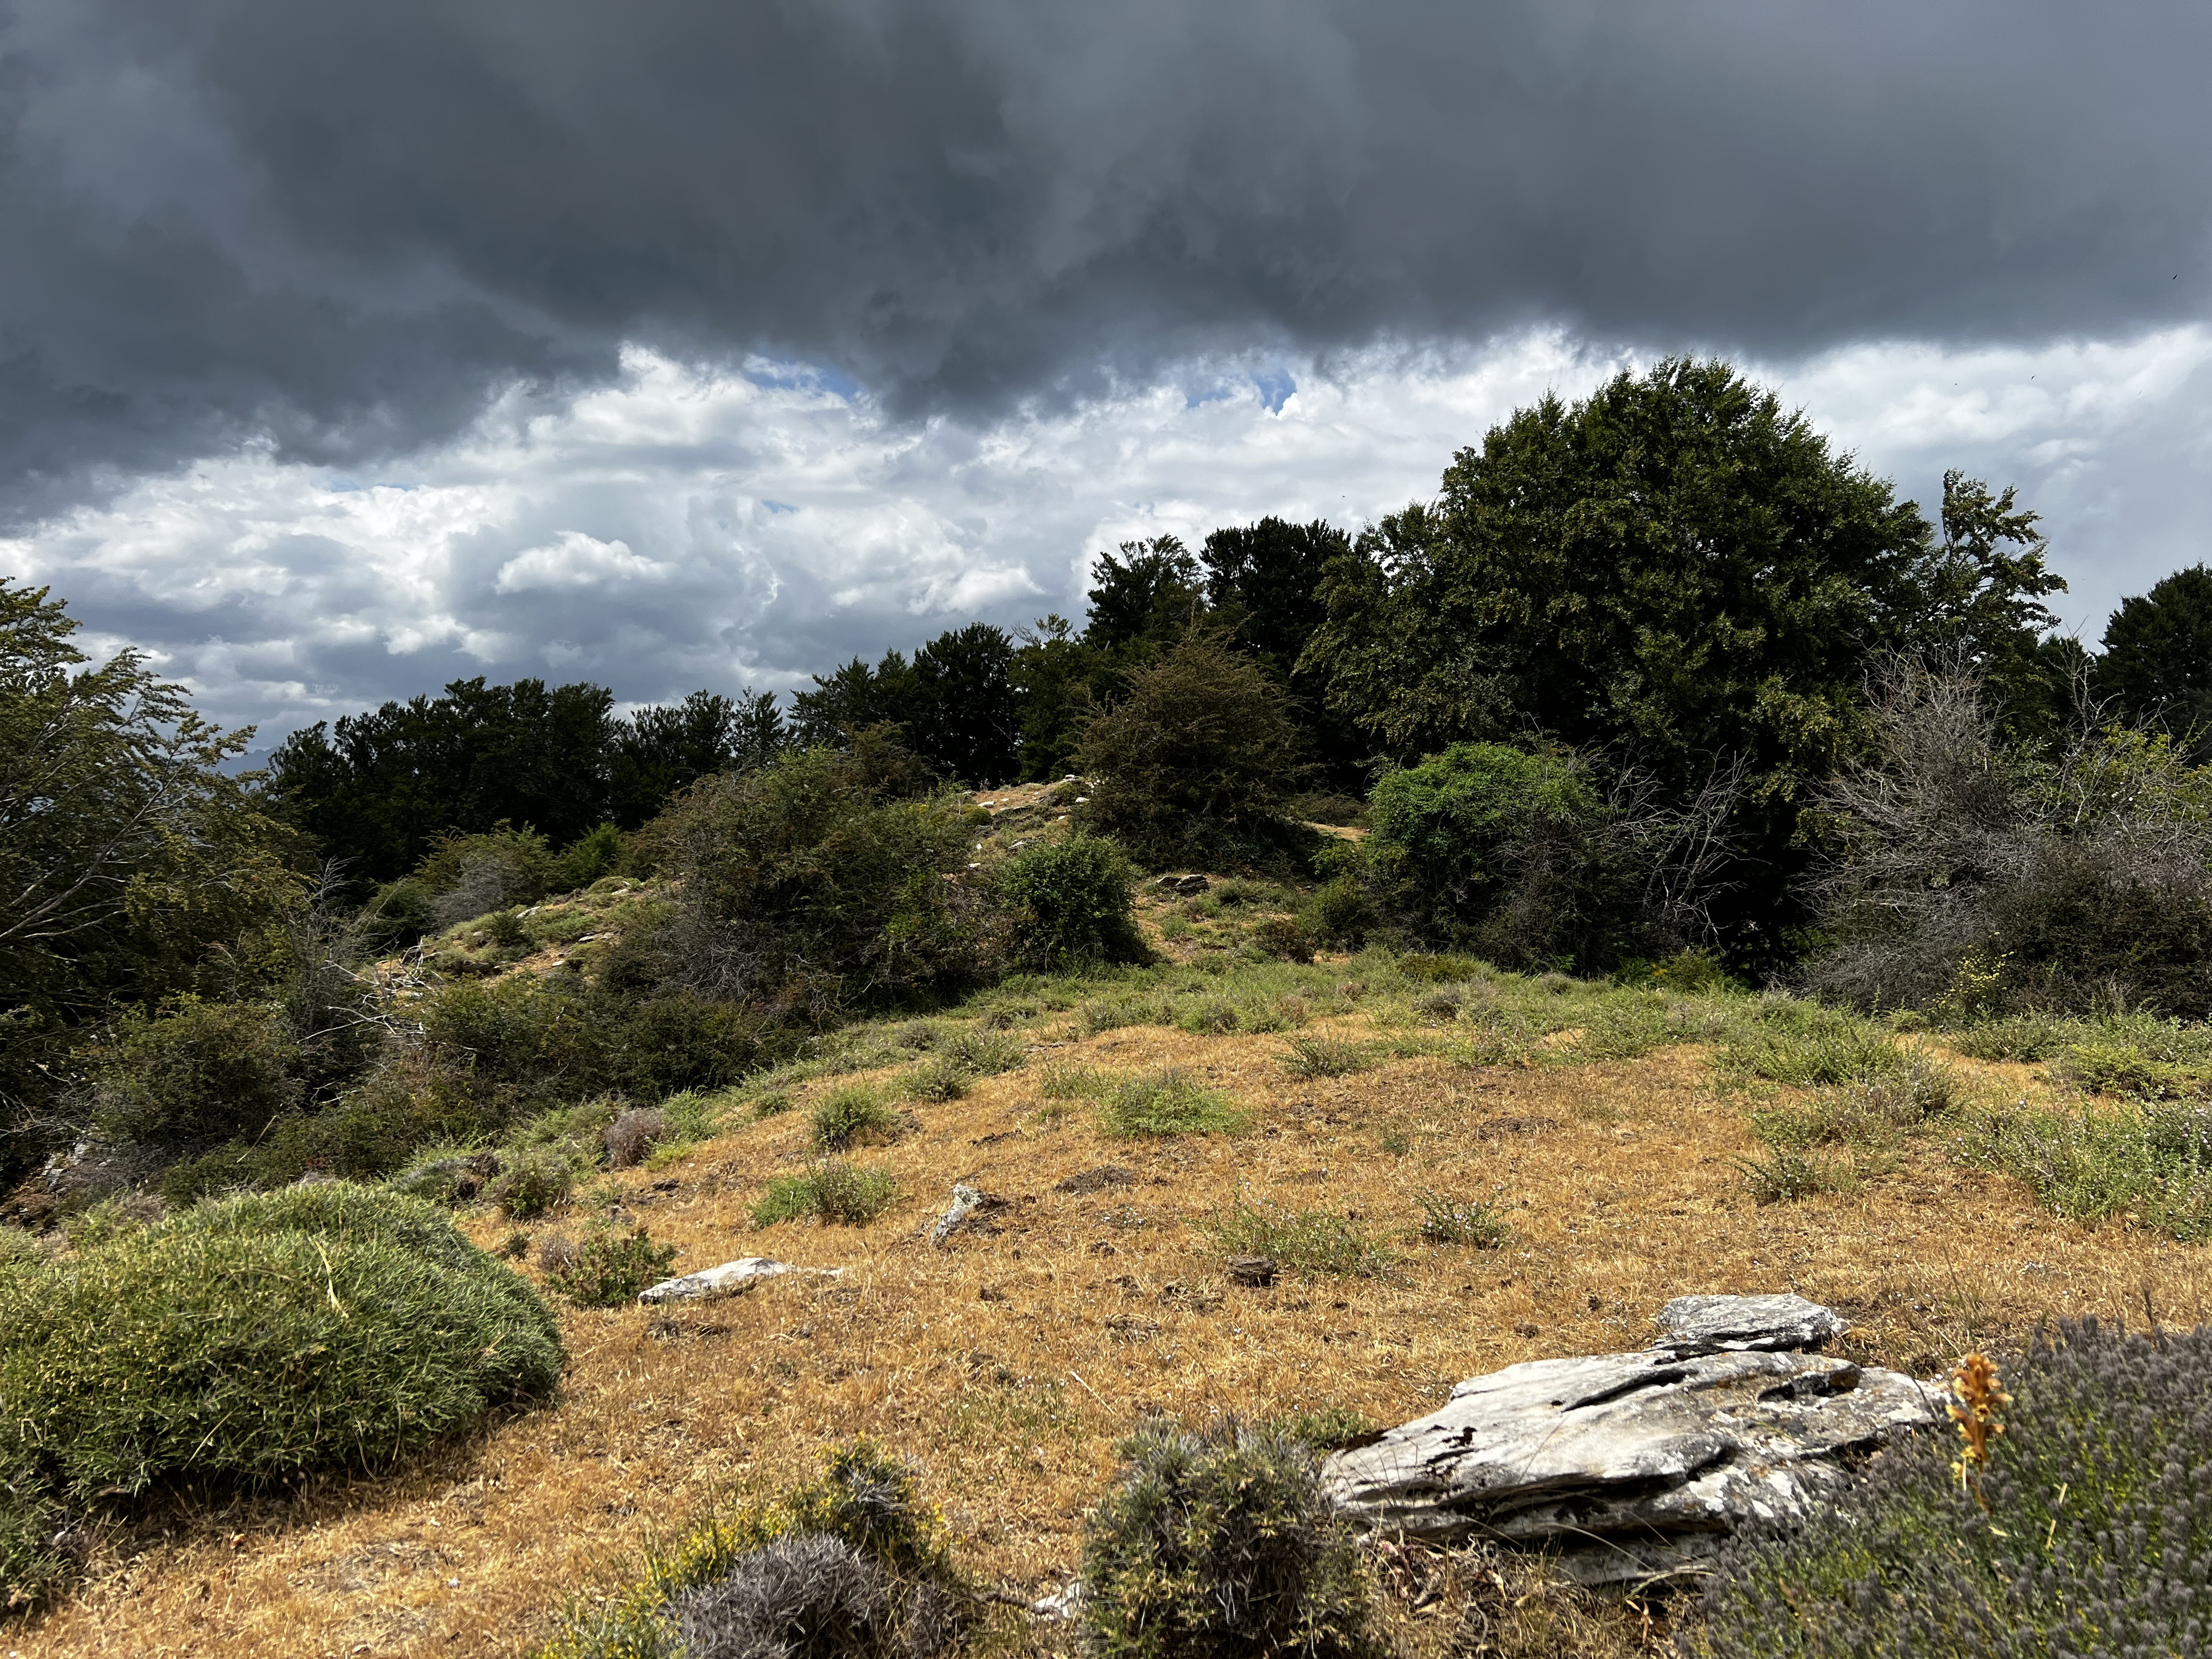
(785, 374)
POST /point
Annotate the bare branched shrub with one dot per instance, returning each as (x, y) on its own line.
(1968, 880)
(809, 1594)
(635, 1133)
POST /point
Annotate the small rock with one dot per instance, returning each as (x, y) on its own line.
(1065, 1602)
(1184, 886)
(971, 1208)
(1257, 1271)
(1092, 1181)
(1738, 1324)
(728, 1279)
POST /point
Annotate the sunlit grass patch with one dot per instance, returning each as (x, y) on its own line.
(1166, 1102)
(833, 1191)
(1304, 1240)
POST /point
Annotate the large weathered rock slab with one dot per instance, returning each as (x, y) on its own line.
(1632, 1465)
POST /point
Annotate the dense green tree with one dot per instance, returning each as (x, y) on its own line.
(658, 750)
(2157, 664)
(377, 789)
(1195, 760)
(127, 853)
(1263, 583)
(964, 720)
(1674, 570)
(954, 704)
(1145, 598)
(1058, 680)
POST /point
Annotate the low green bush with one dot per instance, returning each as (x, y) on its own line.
(325, 1326)
(853, 1116)
(1069, 902)
(2083, 1533)
(851, 1565)
(1316, 1057)
(1304, 1241)
(1479, 1222)
(2151, 1163)
(832, 1192)
(1166, 1102)
(1220, 1545)
(205, 1071)
(608, 1270)
(536, 1180)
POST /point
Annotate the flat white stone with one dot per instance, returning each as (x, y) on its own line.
(728, 1279)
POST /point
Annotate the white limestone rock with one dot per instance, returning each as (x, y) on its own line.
(728, 1279)
(1632, 1465)
(1721, 1324)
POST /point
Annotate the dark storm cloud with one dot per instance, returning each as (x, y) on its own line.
(340, 225)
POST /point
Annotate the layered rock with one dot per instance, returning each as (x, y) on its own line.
(1635, 1465)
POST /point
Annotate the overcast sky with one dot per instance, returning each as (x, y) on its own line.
(348, 349)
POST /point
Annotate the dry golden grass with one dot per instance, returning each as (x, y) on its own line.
(1007, 1365)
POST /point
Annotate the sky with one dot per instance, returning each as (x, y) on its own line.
(346, 350)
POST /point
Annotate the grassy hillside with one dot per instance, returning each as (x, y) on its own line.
(1611, 1143)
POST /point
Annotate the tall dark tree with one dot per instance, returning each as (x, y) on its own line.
(1058, 680)
(1674, 570)
(1145, 599)
(1263, 581)
(376, 789)
(658, 750)
(964, 720)
(2157, 665)
(852, 698)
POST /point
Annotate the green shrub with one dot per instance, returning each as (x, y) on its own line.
(985, 1052)
(1315, 1057)
(2151, 1164)
(1284, 939)
(207, 1070)
(1069, 901)
(608, 1270)
(535, 1181)
(1195, 762)
(2079, 1536)
(399, 915)
(1306, 1240)
(592, 857)
(1166, 1102)
(1785, 1173)
(1210, 1016)
(474, 874)
(851, 1116)
(1324, 1428)
(816, 881)
(1220, 1545)
(1340, 913)
(1806, 1045)
(939, 1079)
(849, 1566)
(1511, 854)
(249, 1340)
(1476, 1221)
(833, 1191)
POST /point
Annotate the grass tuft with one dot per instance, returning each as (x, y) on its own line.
(1166, 1102)
(832, 1192)
(1316, 1057)
(1306, 1241)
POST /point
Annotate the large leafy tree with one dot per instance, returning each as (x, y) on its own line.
(127, 853)
(954, 704)
(2157, 663)
(1263, 583)
(378, 789)
(1679, 572)
(658, 750)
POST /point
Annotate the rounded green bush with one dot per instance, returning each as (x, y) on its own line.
(247, 1340)
(1070, 900)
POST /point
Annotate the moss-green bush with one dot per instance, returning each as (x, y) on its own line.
(2088, 1532)
(1220, 1545)
(847, 1117)
(205, 1071)
(833, 1191)
(1166, 1102)
(247, 1340)
(1069, 903)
